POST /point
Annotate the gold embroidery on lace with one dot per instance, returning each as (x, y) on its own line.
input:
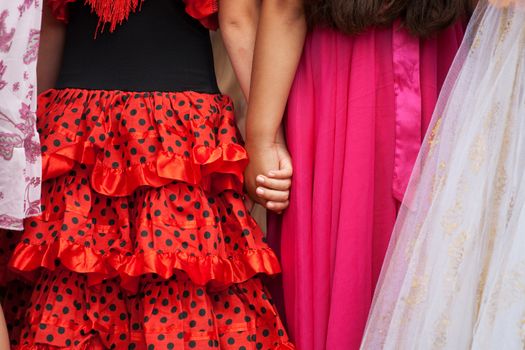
(505, 24)
(438, 181)
(477, 154)
(433, 139)
(440, 339)
(456, 253)
(477, 42)
(522, 331)
(418, 290)
(452, 218)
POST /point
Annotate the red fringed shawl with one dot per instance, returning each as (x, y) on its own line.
(114, 12)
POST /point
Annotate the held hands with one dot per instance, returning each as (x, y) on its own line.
(268, 176)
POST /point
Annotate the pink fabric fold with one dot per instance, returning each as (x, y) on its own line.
(407, 88)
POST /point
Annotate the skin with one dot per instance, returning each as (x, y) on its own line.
(240, 22)
(279, 44)
(52, 37)
(4, 335)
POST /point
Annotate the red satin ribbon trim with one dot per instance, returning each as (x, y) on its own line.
(200, 269)
(228, 159)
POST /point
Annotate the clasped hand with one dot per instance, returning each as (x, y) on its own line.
(268, 176)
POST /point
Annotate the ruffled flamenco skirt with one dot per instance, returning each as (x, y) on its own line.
(144, 241)
(454, 277)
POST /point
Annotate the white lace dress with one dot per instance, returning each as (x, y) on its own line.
(454, 277)
(19, 145)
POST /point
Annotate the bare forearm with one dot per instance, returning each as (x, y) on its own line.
(279, 44)
(238, 22)
(50, 52)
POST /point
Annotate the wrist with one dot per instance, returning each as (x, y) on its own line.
(257, 146)
(259, 138)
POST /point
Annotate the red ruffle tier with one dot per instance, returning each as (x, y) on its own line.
(174, 314)
(141, 139)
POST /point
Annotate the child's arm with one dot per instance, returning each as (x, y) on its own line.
(280, 39)
(52, 38)
(4, 335)
(238, 20)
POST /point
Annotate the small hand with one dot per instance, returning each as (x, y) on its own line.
(268, 176)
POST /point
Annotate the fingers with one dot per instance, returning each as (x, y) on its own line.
(274, 200)
(285, 162)
(274, 189)
(270, 188)
(272, 195)
(277, 207)
(281, 174)
(285, 170)
(274, 184)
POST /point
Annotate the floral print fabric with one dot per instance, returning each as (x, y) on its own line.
(19, 145)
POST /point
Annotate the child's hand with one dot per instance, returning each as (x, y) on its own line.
(274, 187)
(268, 176)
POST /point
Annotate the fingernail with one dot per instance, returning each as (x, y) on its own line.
(270, 205)
(259, 191)
(260, 179)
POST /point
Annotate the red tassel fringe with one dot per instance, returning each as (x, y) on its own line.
(113, 12)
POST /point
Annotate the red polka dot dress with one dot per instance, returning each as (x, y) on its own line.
(144, 242)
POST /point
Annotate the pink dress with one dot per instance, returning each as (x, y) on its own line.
(357, 113)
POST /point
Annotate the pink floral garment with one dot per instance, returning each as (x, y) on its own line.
(20, 164)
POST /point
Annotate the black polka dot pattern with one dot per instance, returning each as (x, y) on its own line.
(158, 227)
(141, 139)
(15, 290)
(144, 241)
(67, 313)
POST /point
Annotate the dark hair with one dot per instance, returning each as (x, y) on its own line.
(421, 17)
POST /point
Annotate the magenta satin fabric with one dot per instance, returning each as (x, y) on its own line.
(357, 114)
(407, 106)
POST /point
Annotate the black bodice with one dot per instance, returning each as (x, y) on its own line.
(159, 48)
